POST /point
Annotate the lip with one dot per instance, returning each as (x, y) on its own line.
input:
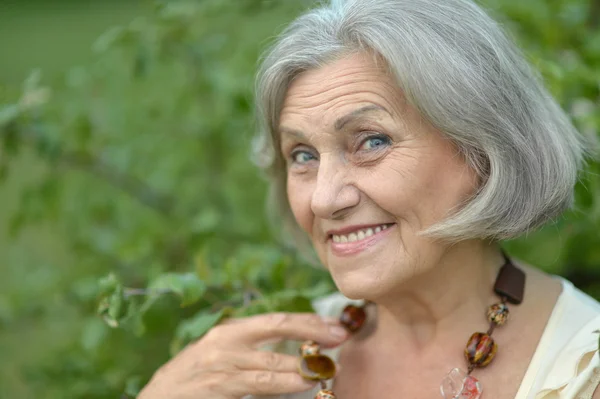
(344, 249)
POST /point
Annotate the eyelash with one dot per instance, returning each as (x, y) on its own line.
(297, 152)
(377, 136)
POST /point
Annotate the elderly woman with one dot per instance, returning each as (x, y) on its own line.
(405, 139)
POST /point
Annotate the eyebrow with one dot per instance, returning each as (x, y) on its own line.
(340, 122)
(293, 132)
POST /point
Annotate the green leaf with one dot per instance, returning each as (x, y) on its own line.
(196, 326)
(206, 221)
(187, 286)
(109, 284)
(202, 267)
(113, 308)
(93, 335)
(108, 39)
(133, 386)
(33, 80)
(8, 114)
(291, 301)
(117, 304)
(254, 308)
(318, 290)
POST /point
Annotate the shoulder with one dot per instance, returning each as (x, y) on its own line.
(570, 363)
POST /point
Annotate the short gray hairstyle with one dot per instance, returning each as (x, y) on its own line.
(457, 67)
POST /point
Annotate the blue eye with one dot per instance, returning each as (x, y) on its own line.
(375, 142)
(302, 157)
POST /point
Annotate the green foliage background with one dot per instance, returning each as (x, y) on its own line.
(137, 164)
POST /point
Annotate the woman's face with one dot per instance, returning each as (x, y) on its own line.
(365, 174)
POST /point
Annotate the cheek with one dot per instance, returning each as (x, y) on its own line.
(299, 196)
(421, 185)
(448, 182)
(397, 185)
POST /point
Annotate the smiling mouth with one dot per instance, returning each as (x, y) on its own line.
(361, 234)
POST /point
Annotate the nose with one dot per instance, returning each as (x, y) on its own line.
(335, 194)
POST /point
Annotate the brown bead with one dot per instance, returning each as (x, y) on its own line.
(325, 394)
(498, 313)
(353, 317)
(510, 283)
(309, 348)
(480, 350)
(316, 367)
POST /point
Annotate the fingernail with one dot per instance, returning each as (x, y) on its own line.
(338, 332)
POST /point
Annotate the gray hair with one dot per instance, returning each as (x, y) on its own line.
(455, 65)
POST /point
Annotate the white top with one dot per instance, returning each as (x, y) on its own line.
(565, 365)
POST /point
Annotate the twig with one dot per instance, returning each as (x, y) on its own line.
(144, 291)
(131, 185)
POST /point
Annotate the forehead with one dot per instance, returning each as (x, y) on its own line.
(341, 86)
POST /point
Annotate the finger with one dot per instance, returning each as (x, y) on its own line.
(268, 383)
(264, 360)
(298, 326)
(237, 320)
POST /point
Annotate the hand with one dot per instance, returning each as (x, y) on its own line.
(225, 363)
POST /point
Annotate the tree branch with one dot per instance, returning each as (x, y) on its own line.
(134, 187)
(131, 185)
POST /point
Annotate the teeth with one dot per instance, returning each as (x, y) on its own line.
(359, 235)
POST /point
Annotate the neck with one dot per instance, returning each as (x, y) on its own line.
(449, 300)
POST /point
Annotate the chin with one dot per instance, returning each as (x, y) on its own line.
(370, 279)
(358, 284)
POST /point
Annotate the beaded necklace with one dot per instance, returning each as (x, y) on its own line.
(479, 351)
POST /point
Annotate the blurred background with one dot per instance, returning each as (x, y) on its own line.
(131, 215)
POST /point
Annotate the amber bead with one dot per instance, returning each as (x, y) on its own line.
(316, 367)
(309, 348)
(353, 317)
(498, 313)
(325, 394)
(481, 349)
